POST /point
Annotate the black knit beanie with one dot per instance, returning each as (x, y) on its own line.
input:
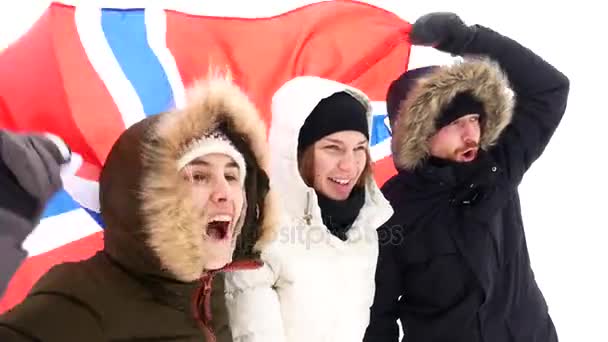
(338, 112)
(462, 104)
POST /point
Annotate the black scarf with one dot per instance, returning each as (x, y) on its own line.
(338, 216)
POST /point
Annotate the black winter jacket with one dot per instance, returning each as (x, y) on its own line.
(454, 264)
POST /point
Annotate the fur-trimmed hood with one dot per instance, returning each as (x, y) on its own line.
(417, 114)
(145, 203)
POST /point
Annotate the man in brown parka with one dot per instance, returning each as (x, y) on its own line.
(184, 196)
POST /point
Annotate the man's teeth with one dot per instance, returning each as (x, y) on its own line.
(221, 218)
(339, 181)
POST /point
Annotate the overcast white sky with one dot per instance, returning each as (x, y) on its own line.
(564, 194)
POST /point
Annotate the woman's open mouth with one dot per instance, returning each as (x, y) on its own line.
(340, 181)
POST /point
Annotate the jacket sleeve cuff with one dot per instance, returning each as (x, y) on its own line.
(63, 148)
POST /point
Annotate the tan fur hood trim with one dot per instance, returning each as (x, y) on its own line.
(418, 113)
(167, 210)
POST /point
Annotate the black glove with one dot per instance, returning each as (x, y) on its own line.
(30, 172)
(443, 30)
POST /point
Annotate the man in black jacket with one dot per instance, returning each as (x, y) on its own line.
(454, 264)
(29, 176)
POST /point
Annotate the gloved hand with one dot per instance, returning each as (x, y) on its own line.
(30, 172)
(443, 30)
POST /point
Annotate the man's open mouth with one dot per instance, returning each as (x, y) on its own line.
(218, 227)
(469, 154)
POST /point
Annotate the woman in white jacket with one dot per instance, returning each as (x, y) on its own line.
(317, 283)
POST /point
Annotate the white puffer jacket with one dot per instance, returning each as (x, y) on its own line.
(313, 286)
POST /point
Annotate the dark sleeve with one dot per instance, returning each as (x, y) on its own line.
(29, 176)
(385, 309)
(11, 256)
(9, 335)
(50, 317)
(15, 205)
(541, 94)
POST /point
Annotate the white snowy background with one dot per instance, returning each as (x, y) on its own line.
(564, 194)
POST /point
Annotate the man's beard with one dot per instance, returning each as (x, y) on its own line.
(469, 144)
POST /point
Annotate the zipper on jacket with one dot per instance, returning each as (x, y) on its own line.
(307, 210)
(202, 297)
(202, 306)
